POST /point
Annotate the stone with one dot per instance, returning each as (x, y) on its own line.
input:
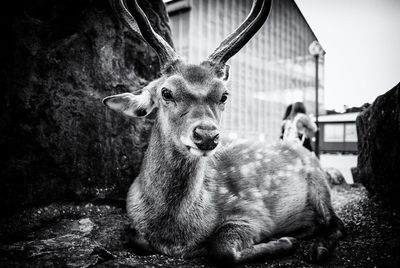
(335, 177)
(49, 239)
(58, 60)
(354, 173)
(378, 130)
(84, 225)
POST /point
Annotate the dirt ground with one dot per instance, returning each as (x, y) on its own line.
(95, 234)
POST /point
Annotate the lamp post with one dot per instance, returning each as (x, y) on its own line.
(316, 50)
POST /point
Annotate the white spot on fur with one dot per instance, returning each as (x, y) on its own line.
(274, 153)
(280, 173)
(231, 198)
(309, 169)
(265, 192)
(258, 164)
(290, 167)
(223, 190)
(245, 170)
(255, 193)
(267, 181)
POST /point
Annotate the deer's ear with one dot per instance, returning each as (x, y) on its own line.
(130, 104)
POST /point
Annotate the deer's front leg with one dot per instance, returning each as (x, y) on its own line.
(234, 244)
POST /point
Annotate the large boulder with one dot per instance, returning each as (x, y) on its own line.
(58, 60)
(378, 129)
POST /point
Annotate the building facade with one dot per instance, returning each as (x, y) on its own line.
(338, 133)
(273, 70)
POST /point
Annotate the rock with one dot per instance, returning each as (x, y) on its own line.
(335, 177)
(355, 174)
(64, 240)
(44, 252)
(58, 60)
(83, 225)
(378, 130)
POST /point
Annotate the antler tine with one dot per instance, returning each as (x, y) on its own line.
(239, 38)
(138, 22)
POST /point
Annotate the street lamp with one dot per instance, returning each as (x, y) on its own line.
(316, 50)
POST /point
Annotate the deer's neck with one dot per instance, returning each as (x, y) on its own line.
(175, 179)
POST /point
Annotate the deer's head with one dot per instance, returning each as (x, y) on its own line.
(189, 98)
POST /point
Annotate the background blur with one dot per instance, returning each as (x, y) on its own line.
(362, 44)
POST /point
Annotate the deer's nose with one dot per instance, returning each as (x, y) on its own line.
(206, 138)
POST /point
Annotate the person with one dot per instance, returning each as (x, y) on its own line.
(284, 119)
(298, 126)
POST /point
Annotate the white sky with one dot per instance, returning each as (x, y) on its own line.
(362, 42)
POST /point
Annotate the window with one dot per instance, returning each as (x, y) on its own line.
(350, 132)
(333, 132)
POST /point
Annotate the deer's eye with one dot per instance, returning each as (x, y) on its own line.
(224, 98)
(167, 94)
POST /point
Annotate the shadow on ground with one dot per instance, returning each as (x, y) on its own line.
(92, 234)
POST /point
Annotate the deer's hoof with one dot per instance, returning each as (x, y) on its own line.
(319, 254)
(291, 241)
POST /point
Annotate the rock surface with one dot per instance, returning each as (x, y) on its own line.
(335, 177)
(378, 129)
(88, 234)
(58, 60)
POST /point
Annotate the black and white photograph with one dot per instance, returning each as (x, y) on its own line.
(200, 133)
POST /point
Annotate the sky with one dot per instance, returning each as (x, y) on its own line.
(362, 43)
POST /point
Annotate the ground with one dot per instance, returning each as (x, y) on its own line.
(343, 163)
(95, 234)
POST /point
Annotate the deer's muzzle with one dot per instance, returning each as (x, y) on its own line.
(205, 138)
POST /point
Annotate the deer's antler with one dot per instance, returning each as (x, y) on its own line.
(137, 21)
(235, 41)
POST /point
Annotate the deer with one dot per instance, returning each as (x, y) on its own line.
(236, 202)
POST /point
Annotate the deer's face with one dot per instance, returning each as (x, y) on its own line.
(190, 102)
(190, 98)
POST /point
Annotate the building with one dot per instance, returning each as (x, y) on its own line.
(273, 70)
(338, 133)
